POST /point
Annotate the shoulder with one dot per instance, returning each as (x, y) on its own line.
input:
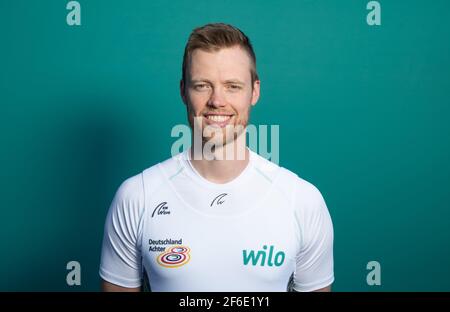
(143, 184)
(157, 175)
(288, 182)
(129, 199)
(306, 196)
(309, 208)
(133, 190)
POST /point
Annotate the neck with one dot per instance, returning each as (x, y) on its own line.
(220, 167)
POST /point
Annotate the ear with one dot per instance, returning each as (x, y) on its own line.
(183, 91)
(256, 92)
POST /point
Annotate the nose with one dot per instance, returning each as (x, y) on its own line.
(217, 99)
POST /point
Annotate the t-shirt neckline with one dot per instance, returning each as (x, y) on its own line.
(198, 178)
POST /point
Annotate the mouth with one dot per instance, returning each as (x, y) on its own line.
(218, 120)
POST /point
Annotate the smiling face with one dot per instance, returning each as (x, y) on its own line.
(218, 91)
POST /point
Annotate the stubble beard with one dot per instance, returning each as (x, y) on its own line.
(227, 143)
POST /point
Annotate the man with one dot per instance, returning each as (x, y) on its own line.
(212, 220)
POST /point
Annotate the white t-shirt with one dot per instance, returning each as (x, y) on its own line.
(185, 233)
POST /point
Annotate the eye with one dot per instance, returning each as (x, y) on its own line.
(234, 87)
(201, 86)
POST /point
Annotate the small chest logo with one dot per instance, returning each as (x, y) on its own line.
(161, 209)
(174, 257)
(252, 257)
(218, 200)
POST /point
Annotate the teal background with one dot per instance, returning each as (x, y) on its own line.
(363, 114)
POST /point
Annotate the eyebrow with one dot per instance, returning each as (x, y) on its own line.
(236, 81)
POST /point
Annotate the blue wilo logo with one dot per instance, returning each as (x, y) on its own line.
(260, 256)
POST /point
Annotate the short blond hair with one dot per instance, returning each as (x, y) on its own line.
(216, 36)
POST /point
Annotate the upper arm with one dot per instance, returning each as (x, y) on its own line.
(324, 289)
(314, 263)
(121, 252)
(109, 287)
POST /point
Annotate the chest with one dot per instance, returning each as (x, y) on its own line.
(187, 249)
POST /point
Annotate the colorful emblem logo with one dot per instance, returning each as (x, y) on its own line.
(174, 257)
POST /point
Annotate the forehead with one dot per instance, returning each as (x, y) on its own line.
(226, 63)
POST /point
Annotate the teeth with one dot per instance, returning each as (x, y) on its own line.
(218, 118)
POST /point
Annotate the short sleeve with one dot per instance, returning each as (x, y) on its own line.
(314, 262)
(121, 257)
